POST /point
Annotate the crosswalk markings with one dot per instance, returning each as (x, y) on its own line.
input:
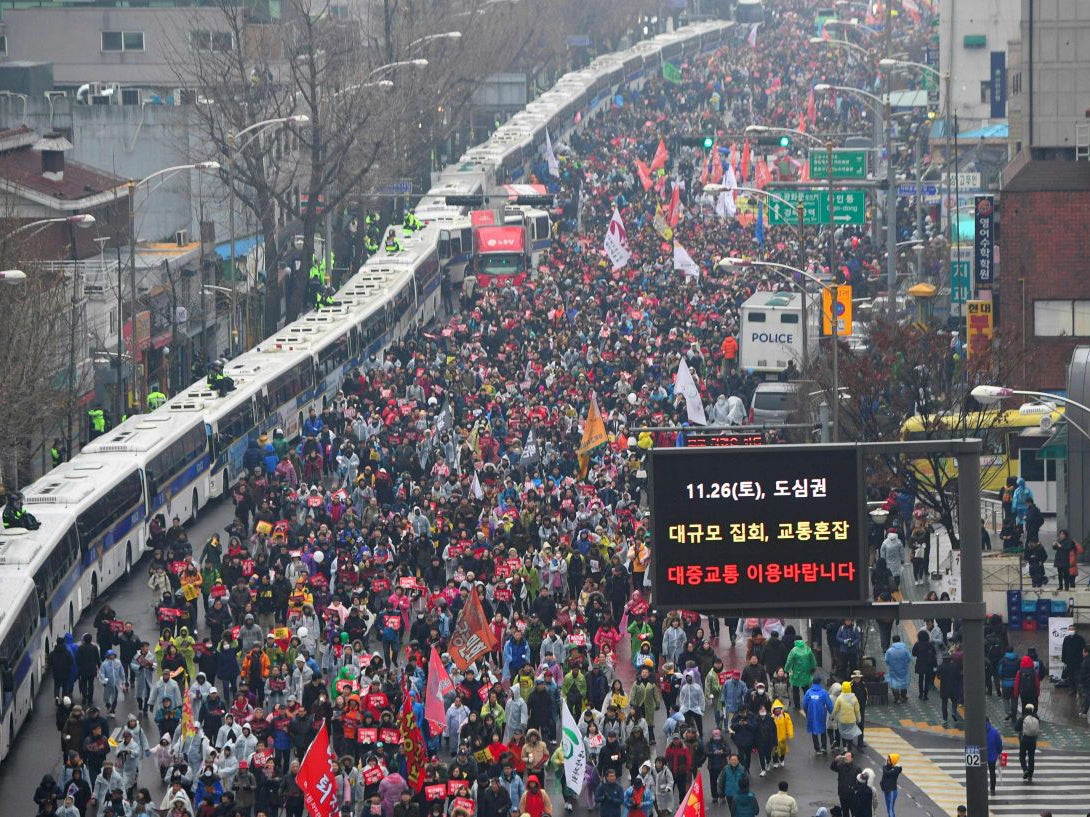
(958, 731)
(1060, 782)
(931, 778)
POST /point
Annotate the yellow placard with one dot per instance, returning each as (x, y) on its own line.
(842, 294)
(979, 327)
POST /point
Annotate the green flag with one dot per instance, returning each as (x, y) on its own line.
(670, 72)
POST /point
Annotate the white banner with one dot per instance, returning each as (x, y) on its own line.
(575, 753)
(550, 157)
(1059, 628)
(616, 242)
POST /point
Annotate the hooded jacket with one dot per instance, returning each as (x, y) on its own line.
(1022, 687)
(800, 664)
(785, 729)
(817, 705)
(893, 551)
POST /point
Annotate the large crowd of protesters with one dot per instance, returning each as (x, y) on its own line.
(447, 466)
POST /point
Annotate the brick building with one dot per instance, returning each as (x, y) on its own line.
(1044, 299)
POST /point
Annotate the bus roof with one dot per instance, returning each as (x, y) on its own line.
(76, 482)
(19, 546)
(1008, 418)
(143, 433)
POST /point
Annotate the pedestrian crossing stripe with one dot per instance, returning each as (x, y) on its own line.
(1060, 782)
(932, 779)
(957, 731)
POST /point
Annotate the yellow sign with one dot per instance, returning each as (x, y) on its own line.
(842, 295)
(979, 324)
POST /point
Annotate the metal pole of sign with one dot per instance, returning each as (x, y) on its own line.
(972, 627)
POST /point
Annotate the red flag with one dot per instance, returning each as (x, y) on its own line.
(659, 160)
(693, 804)
(645, 175)
(744, 169)
(706, 166)
(412, 741)
(674, 210)
(317, 776)
(811, 108)
(761, 174)
(717, 165)
(802, 122)
(804, 174)
(439, 684)
(472, 636)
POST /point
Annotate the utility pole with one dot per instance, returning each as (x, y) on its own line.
(891, 215)
(137, 398)
(231, 229)
(834, 321)
(73, 318)
(800, 210)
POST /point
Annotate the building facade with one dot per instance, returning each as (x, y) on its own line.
(973, 37)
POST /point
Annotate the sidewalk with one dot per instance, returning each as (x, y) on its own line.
(1061, 726)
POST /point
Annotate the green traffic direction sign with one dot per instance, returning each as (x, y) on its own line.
(849, 206)
(847, 164)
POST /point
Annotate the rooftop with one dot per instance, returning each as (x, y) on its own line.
(78, 187)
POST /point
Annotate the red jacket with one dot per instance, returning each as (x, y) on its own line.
(1027, 663)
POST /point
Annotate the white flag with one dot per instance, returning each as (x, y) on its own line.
(684, 263)
(616, 242)
(475, 487)
(752, 38)
(575, 753)
(550, 157)
(686, 386)
(724, 205)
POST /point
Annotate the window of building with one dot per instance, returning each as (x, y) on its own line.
(1016, 83)
(211, 40)
(1053, 319)
(122, 41)
(3, 45)
(985, 93)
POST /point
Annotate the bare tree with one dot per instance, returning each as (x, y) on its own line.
(908, 371)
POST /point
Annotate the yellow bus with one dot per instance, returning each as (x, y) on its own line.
(1005, 435)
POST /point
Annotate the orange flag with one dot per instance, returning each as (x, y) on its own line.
(645, 175)
(674, 210)
(659, 160)
(471, 637)
(744, 168)
(412, 741)
(594, 435)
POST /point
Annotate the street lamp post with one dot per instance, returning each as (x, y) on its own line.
(770, 129)
(834, 321)
(12, 276)
(848, 44)
(165, 173)
(446, 35)
(882, 110)
(419, 62)
(233, 150)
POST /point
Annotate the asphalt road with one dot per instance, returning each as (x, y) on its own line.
(37, 749)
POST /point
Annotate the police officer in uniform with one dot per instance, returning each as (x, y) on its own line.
(392, 244)
(56, 452)
(96, 419)
(16, 516)
(217, 380)
(155, 399)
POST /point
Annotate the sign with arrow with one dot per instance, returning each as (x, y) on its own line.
(849, 207)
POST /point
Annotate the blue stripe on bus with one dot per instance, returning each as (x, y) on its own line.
(114, 535)
(178, 485)
(62, 591)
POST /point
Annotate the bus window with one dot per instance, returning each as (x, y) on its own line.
(444, 244)
(541, 227)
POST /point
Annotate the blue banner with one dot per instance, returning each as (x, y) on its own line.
(999, 85)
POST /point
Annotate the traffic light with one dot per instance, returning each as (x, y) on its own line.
(785, 141)
(696, 141)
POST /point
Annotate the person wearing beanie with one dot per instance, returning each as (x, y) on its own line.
(890, 773)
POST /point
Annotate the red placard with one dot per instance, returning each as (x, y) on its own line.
(368, 734)
(408, 582)
(393, 622)
(435, 791)
(463, 803)
(455, 550)
(514, 563)
(501, 571)
(388, 735)
(378, 585)
(503, 594)
(578, 639)
(218, 591)
(454, 785)
(372, 775)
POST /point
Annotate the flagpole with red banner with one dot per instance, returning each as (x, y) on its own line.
(693, 804)
(317, 776)
(412, 740)
(439, 684)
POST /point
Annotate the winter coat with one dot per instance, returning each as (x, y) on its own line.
(893, 551)
(734, 694)
(781, 804)
(662, 783)
(846, 714)
(729, 779)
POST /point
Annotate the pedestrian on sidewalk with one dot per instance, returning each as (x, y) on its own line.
(781, 804)
(847, 773)
(898, 661)
(890, 774)
(846, 714)
(926, 660)
(865, 797)
(949, 676)
(1027, 683)
(800, 666)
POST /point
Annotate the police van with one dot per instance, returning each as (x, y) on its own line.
(771, 333)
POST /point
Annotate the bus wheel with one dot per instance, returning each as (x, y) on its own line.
(71, 617)
(193, 509)
(128, 558)
(94, 587)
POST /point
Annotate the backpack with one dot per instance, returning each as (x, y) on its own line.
(1027, 682)
(1031, 726)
